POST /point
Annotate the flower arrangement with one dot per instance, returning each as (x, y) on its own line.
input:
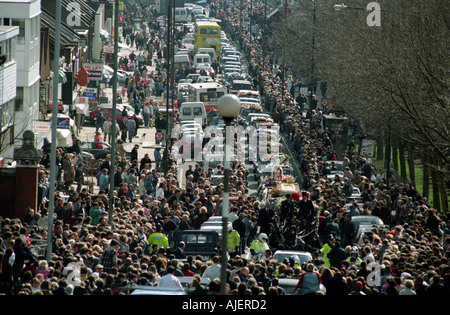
(251, 106)
(269, 181)
(249, 93)
(262, 118)
(274, 190)
(288, 179)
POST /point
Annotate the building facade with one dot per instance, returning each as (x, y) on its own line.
(8, 86)
(25, 14)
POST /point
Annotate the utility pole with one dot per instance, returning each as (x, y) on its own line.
(168, 84)
(172, 60)
(53, 169)
(114, 103)
(312, 83)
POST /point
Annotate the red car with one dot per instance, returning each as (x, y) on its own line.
(106, 109)
(208, 69)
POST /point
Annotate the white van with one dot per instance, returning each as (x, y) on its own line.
(181, 15)
(180, 60)
(201, 58)
(210, 51)
(193, 111)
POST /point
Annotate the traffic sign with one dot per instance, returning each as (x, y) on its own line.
(90, 93)
(324, 102)
(82, 78)
(94, 70)
(159, 136)
(62, 123)
(42, 126)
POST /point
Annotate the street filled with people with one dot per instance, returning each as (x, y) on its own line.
(342, 227)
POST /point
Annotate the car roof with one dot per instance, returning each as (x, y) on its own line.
(186, 125)
(297, 252)
(152, 290)
(110, 106)
(257, 114)
(215, 217)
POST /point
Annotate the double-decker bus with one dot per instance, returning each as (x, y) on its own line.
(207, 34)
(208, 93)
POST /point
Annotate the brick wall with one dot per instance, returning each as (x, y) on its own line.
(26, 191)
(7, 189)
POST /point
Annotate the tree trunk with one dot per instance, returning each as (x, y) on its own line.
(411, 165)
(380, 146)
(395, 158)
(426, 175)
(387, 153)
(387, 159)
(402, 160)
(435, 181)
(443, 192)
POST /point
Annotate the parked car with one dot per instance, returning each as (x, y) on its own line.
(106, 109)
(92, 148)
(122, 75)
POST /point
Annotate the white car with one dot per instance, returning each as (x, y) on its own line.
(194, 125)
(300, 257)
(216, 228)
(187, 122)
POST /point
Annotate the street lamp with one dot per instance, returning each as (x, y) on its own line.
(373, 19)
(113, 126)
(312, 83)
(169, 82)
(229, 107)
(342, 6)
(53, 170)
(338, 7)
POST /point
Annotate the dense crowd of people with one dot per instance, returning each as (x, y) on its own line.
(90, 256)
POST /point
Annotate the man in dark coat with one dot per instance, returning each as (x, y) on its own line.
(337, 255)
(239, 226)
(287, 208)
(179, 252)
(348, 230)
(265, 218)
(305, 207)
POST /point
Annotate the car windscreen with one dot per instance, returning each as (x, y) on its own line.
(367, 221)
(304, 258)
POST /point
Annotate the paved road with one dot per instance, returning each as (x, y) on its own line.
(146, 136)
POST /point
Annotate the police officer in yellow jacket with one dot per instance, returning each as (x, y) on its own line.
(326, 249)
(158, 238)
(233, 241)
(259, 246)
(354, 258)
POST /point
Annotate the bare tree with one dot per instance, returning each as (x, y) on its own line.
(394, 79)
